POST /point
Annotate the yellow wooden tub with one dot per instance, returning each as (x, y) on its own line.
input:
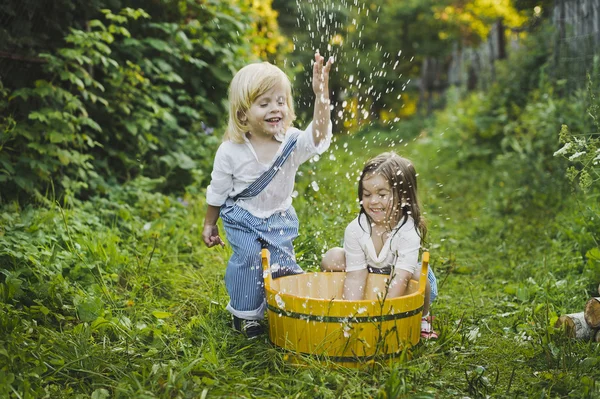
(306, 315)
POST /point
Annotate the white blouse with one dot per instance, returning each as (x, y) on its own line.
(236, 166)
(401, 248)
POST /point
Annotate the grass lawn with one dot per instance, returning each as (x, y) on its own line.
(118, 297)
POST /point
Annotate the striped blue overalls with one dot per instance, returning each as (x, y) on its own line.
(247, 235)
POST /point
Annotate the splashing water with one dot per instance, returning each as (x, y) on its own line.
(280, 302)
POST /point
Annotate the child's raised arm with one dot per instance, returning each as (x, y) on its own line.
(322, 114)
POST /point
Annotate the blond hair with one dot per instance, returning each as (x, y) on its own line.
(247, 85)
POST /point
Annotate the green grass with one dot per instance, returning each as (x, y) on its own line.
(118, 297)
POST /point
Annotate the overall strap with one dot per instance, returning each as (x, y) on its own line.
(263, 180)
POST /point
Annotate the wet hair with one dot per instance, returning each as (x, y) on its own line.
(401, 176)
(247, 85)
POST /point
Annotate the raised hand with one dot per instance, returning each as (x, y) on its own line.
(321, 77)
(322, 114)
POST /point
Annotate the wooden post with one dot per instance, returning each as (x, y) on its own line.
(423, 83)
(592, 312)
(492, 59)
(501, 39)
(559, 39)
(575, 326)
(472, 71)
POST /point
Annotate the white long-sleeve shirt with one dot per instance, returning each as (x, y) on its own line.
(400, 249)
(236, 166)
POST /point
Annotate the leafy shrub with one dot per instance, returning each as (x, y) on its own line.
(130, 96)
(581, 149)
(80, 283)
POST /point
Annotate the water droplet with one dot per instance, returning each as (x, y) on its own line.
(280, 302)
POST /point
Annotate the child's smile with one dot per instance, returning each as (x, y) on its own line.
(274, 121)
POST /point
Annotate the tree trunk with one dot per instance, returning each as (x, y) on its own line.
(559, 38)
(501, 40)
(473, 71)
(423, 83)
(575, 326)
(492, 60)
(592, 312)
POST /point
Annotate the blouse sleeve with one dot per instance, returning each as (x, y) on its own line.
(407, 247)
(306, 148)
(356, 259)
(221, 182)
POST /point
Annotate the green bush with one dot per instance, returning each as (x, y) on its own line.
(580, 150)
(80, 284)
(130, 95)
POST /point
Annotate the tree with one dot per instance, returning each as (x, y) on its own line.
(384, 45)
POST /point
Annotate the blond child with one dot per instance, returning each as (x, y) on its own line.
(253, 179)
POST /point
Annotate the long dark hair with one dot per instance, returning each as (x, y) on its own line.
(402, 178)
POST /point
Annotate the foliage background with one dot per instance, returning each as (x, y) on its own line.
(124, 94)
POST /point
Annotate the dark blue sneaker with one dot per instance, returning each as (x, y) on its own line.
(250, 328)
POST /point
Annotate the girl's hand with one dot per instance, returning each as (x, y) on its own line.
(321, 77)
(211, 237)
